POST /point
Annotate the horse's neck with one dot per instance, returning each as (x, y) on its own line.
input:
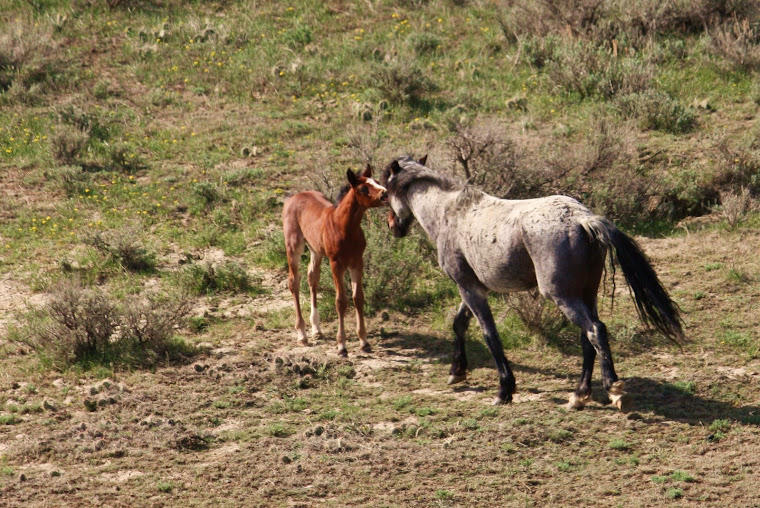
(348, 214)
(430, 203)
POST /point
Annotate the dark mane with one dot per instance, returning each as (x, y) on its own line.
(414, 172)
(342, 193)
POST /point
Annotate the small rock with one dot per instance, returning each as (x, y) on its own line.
(199, 368)
(58, 383)
(49, 406)
(68, 401)
(22, 477)
(286, 459)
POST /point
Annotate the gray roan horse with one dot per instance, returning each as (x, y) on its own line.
(553, 243)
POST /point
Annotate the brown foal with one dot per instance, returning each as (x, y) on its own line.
(309, 219)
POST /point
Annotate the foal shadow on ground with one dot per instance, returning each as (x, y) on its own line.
(666, 401)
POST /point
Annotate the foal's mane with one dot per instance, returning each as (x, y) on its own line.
(342, 193)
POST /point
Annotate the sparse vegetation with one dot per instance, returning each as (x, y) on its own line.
(146, 149)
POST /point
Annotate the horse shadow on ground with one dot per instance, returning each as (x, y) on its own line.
(654, 400)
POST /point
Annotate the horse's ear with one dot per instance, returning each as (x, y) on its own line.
(422, 160)
(395, 167)
(352, 178)
(367, 171)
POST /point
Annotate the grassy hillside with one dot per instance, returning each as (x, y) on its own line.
(145, 151)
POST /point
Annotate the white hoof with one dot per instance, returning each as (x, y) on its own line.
(619, 398)
(454, 379)
(576, 402)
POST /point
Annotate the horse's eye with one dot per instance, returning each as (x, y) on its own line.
(364, 191)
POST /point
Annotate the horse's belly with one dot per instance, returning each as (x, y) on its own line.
(503, 270)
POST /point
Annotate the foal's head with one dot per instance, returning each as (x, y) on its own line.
(368, 192)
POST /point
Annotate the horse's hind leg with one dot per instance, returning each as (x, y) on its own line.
(294, 247)
(595, 333)
(315, 263)
(358, 294)
(582, 394)
(458, 371)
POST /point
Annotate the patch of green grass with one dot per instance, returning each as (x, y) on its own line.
(560, 435)
(709, 267)
(11, 419)
(165, 486)
(674, 493)
(402, 402)
(619, 444)
(444, 495)
(278, 430)
(563, 466)
(743, 342)
(681, 476)
(688, 387)
(659, 479)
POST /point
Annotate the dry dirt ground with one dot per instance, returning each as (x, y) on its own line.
(253, 421)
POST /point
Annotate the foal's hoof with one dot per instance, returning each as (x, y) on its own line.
(577, 402)
(303, 343)
(456, 378)
(343, 353)
(623, 401)
(366, 348)
(316, 336)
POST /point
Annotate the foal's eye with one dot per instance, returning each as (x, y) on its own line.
(364, 191)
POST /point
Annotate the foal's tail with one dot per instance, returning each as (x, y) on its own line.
(653, 304)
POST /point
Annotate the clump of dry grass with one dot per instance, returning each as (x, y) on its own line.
(738, 42)
(124, 246)
(734, 206)
(81, 324)
(29, 60)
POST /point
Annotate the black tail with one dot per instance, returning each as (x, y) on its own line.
(654, 305)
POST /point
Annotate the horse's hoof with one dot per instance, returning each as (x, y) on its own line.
(365, 348)
(317, 336)
(456, 378)
(304, 343)
(576, 402)
(619, 398)
(343, 352)
(623, 402)
(498, 401)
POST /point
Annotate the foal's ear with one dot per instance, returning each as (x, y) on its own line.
(367, 171)
(352, 178)
(422, 160)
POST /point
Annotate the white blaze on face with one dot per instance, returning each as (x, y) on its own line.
(372, 183)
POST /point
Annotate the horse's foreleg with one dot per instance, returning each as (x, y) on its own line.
(358, 294)
(477, 301)
(341, 304)
(294, 251)
(458, 371)
(315, 264)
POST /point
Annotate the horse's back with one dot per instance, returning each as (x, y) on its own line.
(514, 245)
(302, 216)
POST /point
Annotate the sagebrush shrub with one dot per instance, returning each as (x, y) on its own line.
(125, 248)
(208, 278)
(85, 325)
(68, 146)
(658, 111)
(402, 82)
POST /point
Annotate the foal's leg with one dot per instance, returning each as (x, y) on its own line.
(315, 264)
(341, 304)
(582, 394)
(458, 371)
(477, 301)
(358, 293)
(580, 314)
(294, 247)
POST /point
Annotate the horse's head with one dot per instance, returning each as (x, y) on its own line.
(400, 217)
(369, 193)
